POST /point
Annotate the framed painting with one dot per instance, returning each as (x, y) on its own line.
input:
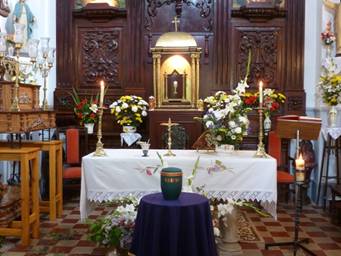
(79, 4)
(236, 4)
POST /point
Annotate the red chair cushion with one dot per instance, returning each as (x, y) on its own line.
(72, 146)
(285, 177)
(275, 147)
(72, 173)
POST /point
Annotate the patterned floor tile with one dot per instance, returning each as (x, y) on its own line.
(68, 236)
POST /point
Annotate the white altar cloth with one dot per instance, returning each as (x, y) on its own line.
(227, 176)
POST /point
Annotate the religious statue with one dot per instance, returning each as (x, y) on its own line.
(4, 9)
(22, 14)
(337, 23)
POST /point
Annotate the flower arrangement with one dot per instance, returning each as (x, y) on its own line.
(272, 100)
(327, 36)
(226, 116)
(116, 229)
(330, 87)
(85, 109)
(129, 110)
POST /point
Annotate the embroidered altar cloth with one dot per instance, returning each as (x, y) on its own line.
(233, 176)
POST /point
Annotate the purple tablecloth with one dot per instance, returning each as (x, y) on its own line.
(174, 228)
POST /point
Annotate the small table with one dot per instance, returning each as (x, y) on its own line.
(54, 206)
(29, 189)
(332, 143)
(181, 227)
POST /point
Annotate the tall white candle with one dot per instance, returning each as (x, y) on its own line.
(101, 94)
(261, 93)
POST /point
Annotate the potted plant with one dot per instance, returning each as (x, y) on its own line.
(129, 112)
(86, 111)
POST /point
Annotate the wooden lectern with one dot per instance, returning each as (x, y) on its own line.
(308, 127)
(297, 127)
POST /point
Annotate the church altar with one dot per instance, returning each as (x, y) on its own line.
(230, 176)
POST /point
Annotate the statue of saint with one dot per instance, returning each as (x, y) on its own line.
(22, 14)
(337, 23)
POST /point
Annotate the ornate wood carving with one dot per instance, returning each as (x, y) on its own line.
(100, 56)
(259, 14)
(99, 11)
(205, 8)
(263, 45)
(295, 104)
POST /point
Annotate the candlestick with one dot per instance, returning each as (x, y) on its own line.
(99, 145)
(261, 93)
(101, 94)
(261, 153)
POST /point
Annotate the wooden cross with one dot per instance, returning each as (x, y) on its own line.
(176, 22)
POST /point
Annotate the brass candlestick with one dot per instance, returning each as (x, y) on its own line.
(15, 103)
(260, 148)
(169, 124)
(99, 145)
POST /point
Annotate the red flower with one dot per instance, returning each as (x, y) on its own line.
(274, 106)
(92, 115)
(250, 100)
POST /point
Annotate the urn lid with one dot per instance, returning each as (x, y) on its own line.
(171, 170)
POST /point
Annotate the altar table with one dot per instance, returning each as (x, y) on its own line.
(229, 176)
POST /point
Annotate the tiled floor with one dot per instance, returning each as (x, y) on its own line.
(68, 236)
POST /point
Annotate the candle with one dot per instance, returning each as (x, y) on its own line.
(101, 94)
(300, 163)
(261, 93)
(300, 166)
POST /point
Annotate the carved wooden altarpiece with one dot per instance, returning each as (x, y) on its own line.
(102, 41)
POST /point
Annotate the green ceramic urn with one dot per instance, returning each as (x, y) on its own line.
(171, 183)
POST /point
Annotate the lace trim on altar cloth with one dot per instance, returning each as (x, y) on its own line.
(267, 199)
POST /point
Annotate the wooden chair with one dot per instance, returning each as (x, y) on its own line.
(284, 178)
(72, 155)
(179, 138)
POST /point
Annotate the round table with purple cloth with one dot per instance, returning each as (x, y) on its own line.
(181, 227)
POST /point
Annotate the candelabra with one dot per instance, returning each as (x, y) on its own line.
(260, 148)
(11, 64)
(99, 145)
(169, 124)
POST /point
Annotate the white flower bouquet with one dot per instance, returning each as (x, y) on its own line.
(226, 116)
(117, 228)
(129, 110)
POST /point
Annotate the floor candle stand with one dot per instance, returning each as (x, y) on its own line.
(297, 242)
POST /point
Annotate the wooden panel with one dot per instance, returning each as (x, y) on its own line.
(184, 118)
(276, 36)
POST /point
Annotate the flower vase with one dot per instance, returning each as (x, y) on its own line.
(332, 116)
(113, 251)
(328, 51)
(89, 127)
(267, 124)
(228, 244)
(129, 129)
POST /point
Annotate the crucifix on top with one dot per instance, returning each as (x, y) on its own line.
(176, 22)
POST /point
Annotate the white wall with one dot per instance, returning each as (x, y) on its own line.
(45, 26)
